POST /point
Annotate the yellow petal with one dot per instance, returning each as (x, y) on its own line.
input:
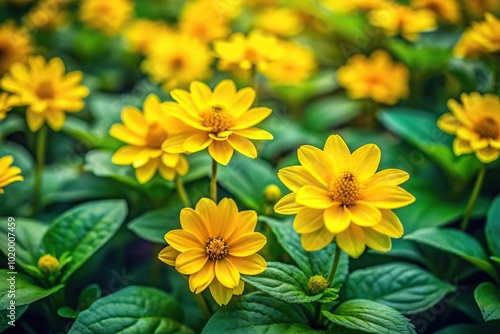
(34, 120)
(166, 172)
(352, 241)
(390, 177)
(448, 123)
(226, 273)
(5, 162)
(224, 93)
(170, 159)
(377, 241)
(221, 294)
(246, 222)
(287, 205)
(296, 177)
(126, 155)
(249, 265)
(191, 261)
(337, 218)
(365, 214)
(461, 147)
(365, 161)
(201, 94)
(183, 240)
(336, 149)
(316, 240)
(488, 154)
(192, 222)
(243, 145)
(388, 197)
(55, 119)
(175, 142)
(126, 135)
(133, 119)
(186, 103)
(247, 244)
(197, 142)
(243, 101)
(228, 217)
(221, 151)
(209, 212)
(146, 172)
(239, 289)
(316, 162)
(168, 255)
(308, 221)
(200, 280)
(251, 118)
(389, 225)
(255, 133)
(152, 109)
(314, 197)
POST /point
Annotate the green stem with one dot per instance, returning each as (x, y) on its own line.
(213, 181)
(203, 306)
(40, 160)
(182, 191)
(317, 313)
(473, 198)
(336, 259)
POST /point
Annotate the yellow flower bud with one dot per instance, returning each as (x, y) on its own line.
(48, 263)
(272, 193)
(317, 284)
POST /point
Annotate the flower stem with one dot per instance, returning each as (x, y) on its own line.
(213, 181)
(203, 306)
(40, 160)
(473, 198)
(336, 260)
(182, 191)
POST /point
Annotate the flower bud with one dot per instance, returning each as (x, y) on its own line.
(317, 284)
(272, 193)
(48, 263)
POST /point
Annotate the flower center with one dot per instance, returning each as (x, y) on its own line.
(177, 63)
(252, 55)
(217, 118)
(346, 189)
(487, 128)
(156, 135)
(216, 248)
(45, 90)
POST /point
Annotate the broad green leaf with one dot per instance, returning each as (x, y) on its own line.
(369, 317)
(488, 299)
(420, 57)
(82, 230)
(11, 124)
(330, 112)
(492, 228)
(5, 317)
(405, 287)
(258, 313)
(26, 289)
(28, 235)
(99, 163)
(311, 263)
(455, 242)
(153, 225)
(284, 282)
(134, 309)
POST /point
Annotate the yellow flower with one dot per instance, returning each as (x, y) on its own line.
(48, 263)
(176, 61)
(142, 35)
(295, 67)
(258, 49)
(476, 125)
(354, 5)
(405, 21)
(15, 45)
(215, 245)
(220, 120)
(107, 16)
(203, 20)
(7, 102)
(376, 77)
(448, 10)
(481, 38)
(46, 90)
(336, 194)
(280, 21)
(478, 7)
(144, 134)
(261, 3)
(47, 15)
(8, 174)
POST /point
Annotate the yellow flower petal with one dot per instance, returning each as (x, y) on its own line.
(55, 119)
(200, 280)
(352, 241)
(209, 211)
(287, 205)
(365, 214)
(201, 94)
(146, 172)
(337, 218)
(226, 273)
(197, 142)
(133, 119)
(183, 240)
(247, 244)
(389, 177)
(337, 150)
(193, 223)
(308, 220)
(168, 255)
(126, 135)
(228, 215)
(166, 172)
(191, 261)
(314, 197)
(175, 142)
(221, 294)
(127, 154)
(34, 120)
(243, 145)
(377, 241)
(389, 225)
(221, 151)
(251, 118)
(448, 123)
(249, 265)
(388, 197)
(365, 161)
(186, 102)
(461, 147)
(255, 133)
(488, 154)
(247, 222)
(296, 177)
(224, 93)
(316, 162)
(316, 240)
(242, 102)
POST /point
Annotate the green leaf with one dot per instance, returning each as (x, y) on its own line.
(93, 138)
(492, 228)
(153, 225)
(11, 124)
(420, 57)
(311, 263)
(258, 313)
(5, 317)
(488, 299)
(405, 287)
(369, 317)
(88, 295)
(455, 242)
(67, 313)
(99, 163)
(284, 282)
(26, 289)
(28, 236)
(330, 112)
(134, 309)
(82, 230)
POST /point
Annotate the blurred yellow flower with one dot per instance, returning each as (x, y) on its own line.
(107, 16)
(7, 102)
(203, 20)
(144, 134)
(355, 5)
(46, 90)
(215, 245)
(47, 15)
(401, 20)
(48, 263)
(280, 21)
(376, 77)
(336, 194)
(447, 10)
(8, 174)
(477, 8)
(294, 67)
(15, 45)
(220, 120)
(481, 38)
(177, 60)
(258, 4)
(476, 125)
(142, 35)
(256, 50)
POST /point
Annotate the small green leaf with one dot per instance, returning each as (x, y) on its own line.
(455, 242)
(488, 299)
(284, 282)
(369, 317)
(88, 295)
(153, 225)
(82, 230)
(134, 309)
(67, 312)
(492, 228)
(405, 287)
(258, 313)
(330, 112)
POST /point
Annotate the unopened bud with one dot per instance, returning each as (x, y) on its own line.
(48, 263)
(317, 284)
(272, 193)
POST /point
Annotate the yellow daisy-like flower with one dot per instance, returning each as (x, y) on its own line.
(220, 120)
(8, 174)
(47, 15)
(336, 194)
(215, 245)
(144, 134)
(481, 38)
(476, 125)
(107, 16)
(142, 35)
(402, 20)
(204, 21)
(15, 45)
(46, 90)
(257, 50)
(178, 60)
(7, 102)
(447, 10)
(477, 8)
(280, 21)
(355, 5)
(376, 77)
